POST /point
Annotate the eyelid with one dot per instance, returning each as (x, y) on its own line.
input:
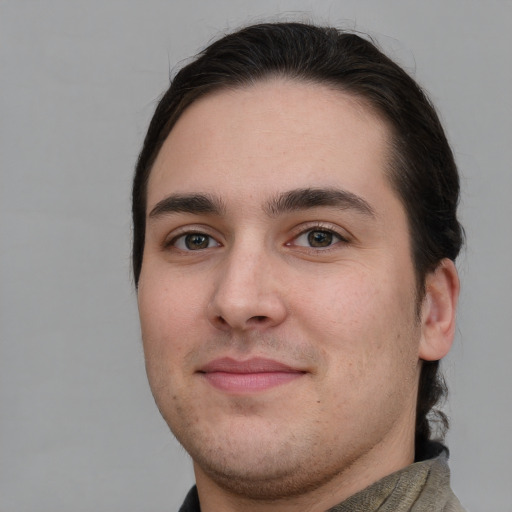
(175, 234)
(342, 234)
(181, 242)
(321, 226)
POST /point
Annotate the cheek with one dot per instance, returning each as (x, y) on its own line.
(168, 299)
(362, 321)
(368, 337)
(163, 326)
(341, 302)
(168, 315)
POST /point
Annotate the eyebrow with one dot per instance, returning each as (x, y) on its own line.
(307, 198)
(292, 200)
(188, 203)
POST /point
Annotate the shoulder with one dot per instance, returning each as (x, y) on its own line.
(191, 503)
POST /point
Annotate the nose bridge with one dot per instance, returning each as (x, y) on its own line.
(246, 293)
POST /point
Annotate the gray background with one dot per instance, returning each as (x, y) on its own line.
(79, 79)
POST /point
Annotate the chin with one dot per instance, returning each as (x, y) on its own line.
(270, 479)
(262, 464)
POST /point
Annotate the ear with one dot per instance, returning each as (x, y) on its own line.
(438, 311)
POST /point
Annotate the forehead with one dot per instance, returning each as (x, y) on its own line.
(271, 136)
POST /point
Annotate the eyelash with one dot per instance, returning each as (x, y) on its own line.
(173, 242)
(336, 238)
(319, 228)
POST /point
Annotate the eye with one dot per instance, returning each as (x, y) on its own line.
(194, 242)
(317, 239)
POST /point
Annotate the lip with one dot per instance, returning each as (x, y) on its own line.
(249, 376)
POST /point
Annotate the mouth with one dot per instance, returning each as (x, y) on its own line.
(249, 376)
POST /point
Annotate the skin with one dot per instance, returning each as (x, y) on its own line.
(341, 315)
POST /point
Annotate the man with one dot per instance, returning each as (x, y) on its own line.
(295, 232)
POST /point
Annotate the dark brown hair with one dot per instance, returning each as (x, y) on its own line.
(422, 169)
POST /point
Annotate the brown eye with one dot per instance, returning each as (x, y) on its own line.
(194, 242)
(197, 241)
(318, 238)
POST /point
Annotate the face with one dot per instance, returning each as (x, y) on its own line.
(277, 295)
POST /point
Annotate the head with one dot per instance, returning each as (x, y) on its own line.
(418, 167)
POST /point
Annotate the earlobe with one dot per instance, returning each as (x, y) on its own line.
(438, 311)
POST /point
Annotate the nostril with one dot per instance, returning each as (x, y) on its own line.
(258, 319)
(221, 321)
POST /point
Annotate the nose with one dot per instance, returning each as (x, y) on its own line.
(247, 294)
